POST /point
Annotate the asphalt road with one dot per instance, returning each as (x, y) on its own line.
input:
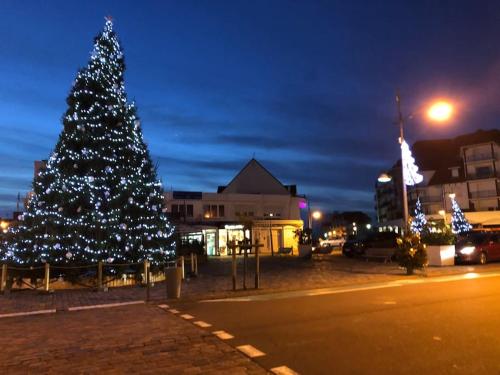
(446, 327)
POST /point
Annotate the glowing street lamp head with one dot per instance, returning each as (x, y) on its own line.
(316, 215)
(384, 177)
(440, 111)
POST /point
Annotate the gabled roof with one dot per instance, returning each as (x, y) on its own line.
(441, 155)
(254, 179)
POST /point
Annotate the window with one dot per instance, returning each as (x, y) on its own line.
(189, 212)
(175, 208)
(206, 211)
(454, 172)
(483, 171)
(221, 211)
(213, 211)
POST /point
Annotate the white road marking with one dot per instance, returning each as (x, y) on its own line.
(223, 335)
(37, 312)
(250, 351)
(362, 287)
(164, 307)
(104, 306)
(202, 324)
(187, 316)
(436, 338)
(390, 302)
(174, 311)
(283, 370)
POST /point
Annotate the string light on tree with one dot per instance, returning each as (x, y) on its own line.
(419, 221)
(459, 223)
(99, 191)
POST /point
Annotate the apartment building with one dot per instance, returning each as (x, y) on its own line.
(255, 205)
(467, 166)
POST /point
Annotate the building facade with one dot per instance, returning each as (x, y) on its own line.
(253, 206)
(467, 166)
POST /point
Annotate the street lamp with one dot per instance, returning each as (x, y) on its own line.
(439, 111)
(384, 177)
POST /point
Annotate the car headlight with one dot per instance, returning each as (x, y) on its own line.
(468, 250)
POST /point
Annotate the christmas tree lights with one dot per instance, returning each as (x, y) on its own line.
(459, 223)
(410, 170)
(419, 222)
(98, 197)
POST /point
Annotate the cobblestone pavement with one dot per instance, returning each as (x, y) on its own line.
(141, 339)
(214, 281)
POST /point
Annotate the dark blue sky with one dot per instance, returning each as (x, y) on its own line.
(306, 86)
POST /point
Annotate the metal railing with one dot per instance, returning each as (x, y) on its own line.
(484, 194)
(481, 157)
(98, 276)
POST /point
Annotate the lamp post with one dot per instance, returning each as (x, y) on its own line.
(401, 138)
(440, 111)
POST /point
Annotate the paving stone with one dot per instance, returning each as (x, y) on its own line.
(128, 339)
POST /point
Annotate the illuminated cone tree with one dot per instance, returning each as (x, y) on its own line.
(419, 222)
(459, 223)
(98, 197)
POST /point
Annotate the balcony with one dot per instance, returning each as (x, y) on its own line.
(431, 199)
(483, 194)
(482, 175)
(480, 157)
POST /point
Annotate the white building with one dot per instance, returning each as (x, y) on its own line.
(253, 206)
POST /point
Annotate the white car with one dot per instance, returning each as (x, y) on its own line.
(334, 242)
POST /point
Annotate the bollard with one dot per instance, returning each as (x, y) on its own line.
(196, 264)
(99, 276)
(233, 253)
(257, 265)
(182, 267)
(245, 257)
(148, 277)
(46, 279)
(3, 280)
(145, 271)
(192, 263)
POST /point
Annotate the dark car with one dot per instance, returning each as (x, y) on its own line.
(356, 245)
(478, 248)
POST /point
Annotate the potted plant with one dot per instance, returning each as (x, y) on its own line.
(304, 237)
(440, 244)
(411, 253)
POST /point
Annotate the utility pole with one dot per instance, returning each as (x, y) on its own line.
(401, 139)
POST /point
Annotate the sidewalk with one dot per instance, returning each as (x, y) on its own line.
(278, 274)
(132, 339)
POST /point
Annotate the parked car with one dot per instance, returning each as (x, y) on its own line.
(478, 248)
(357, 245)
(334, 242)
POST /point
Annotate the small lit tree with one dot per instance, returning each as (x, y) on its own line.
(419, 221)
(459, 223)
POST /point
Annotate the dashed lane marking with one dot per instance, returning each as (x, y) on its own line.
(283, 370)
(250, 351)
(202, 324)
(37, 312)
(390, 302)
(187, 316)
(104, 306)
(174, 311)
(164, 307)
(223, 335)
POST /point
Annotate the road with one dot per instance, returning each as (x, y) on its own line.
(447, 325)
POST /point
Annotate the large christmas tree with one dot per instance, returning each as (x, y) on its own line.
(98, 197)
